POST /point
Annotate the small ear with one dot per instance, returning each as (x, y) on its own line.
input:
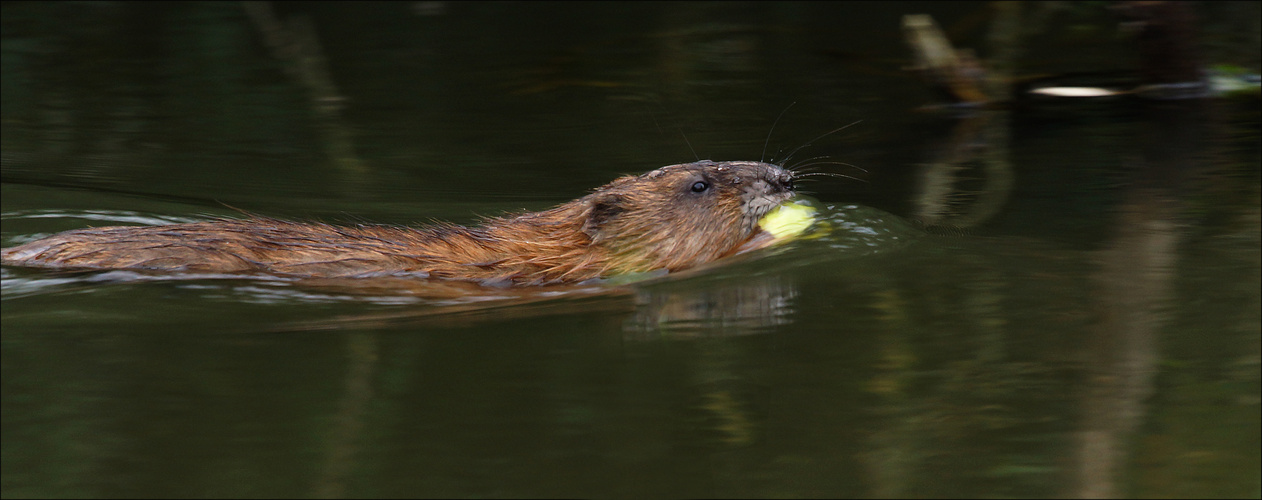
(603, 208)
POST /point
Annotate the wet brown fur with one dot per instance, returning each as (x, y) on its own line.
(633, 224)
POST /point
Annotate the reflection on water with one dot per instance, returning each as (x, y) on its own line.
(750, 306)
(1095, 329)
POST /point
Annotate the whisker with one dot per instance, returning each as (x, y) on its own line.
(829, 174)
(767, 142)
(806, 160)
(842, 163)
(826, 134)
(689, 143)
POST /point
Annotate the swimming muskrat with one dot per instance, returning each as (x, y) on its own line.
(672, 218)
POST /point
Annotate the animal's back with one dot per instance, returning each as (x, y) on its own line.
(226, 246)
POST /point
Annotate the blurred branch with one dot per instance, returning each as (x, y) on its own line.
(297, 47)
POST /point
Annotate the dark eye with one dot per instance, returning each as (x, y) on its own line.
(700, 186)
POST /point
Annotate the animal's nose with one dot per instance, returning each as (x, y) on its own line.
(786, 182)
(781, 181)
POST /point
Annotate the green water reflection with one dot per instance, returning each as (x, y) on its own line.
(1094, 330)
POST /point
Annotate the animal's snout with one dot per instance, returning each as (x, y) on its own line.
(779, 179)
(783, 183)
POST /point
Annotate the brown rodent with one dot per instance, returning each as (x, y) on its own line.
(672, 218)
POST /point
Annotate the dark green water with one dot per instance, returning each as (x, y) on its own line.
(1094, 330)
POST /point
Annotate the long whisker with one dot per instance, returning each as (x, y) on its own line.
(689, 143)
(829, 174)
(800, 166)
(812, 141)
(767, 142)
(791, 168)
